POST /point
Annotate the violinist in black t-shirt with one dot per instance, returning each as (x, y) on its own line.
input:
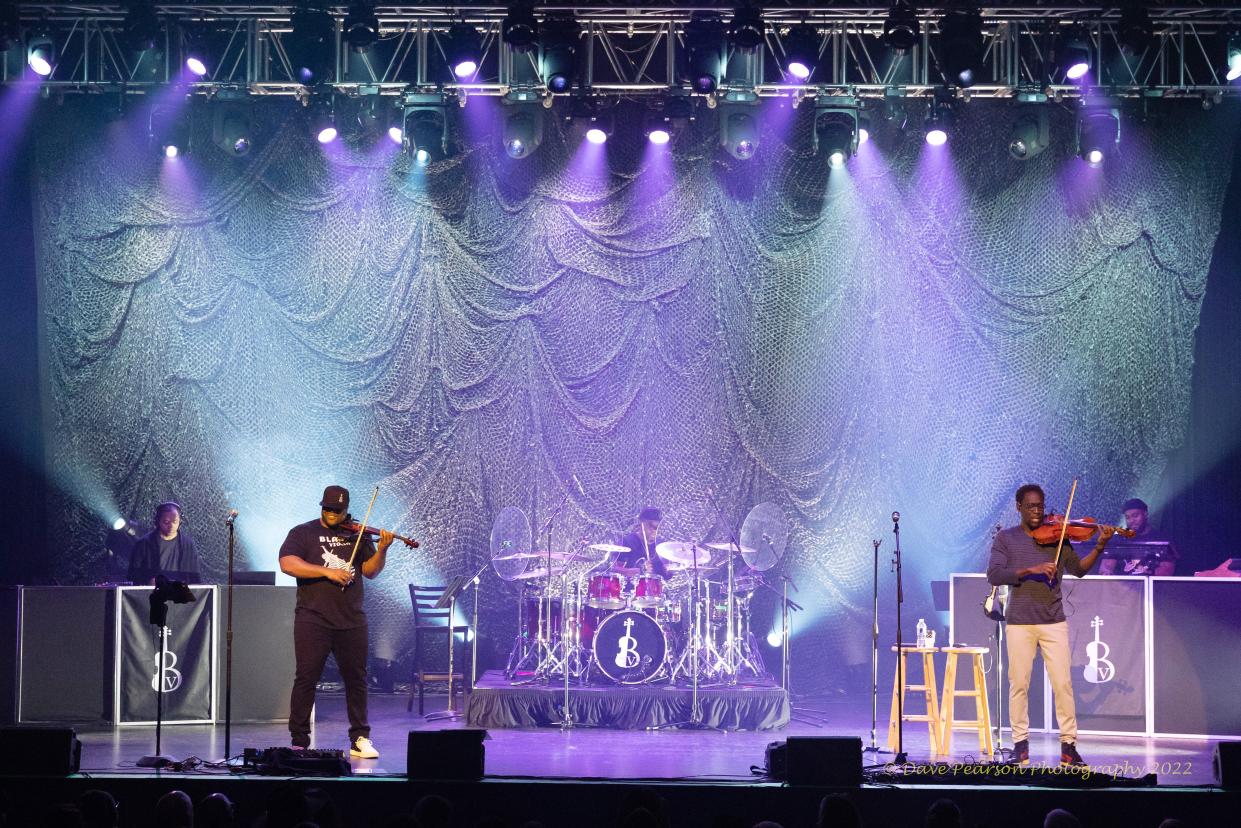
(329, 616)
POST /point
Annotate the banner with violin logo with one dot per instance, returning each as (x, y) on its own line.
(185, 669)
(1107, 633)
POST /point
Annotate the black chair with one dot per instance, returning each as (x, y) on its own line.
(431, 621)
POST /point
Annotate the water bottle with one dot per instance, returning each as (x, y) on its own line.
(921, 637)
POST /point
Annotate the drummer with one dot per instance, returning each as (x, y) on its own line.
(640, 557)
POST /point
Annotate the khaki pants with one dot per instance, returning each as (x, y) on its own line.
(1053, 640)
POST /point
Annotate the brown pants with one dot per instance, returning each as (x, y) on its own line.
(1053, 640)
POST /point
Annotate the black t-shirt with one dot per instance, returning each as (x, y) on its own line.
(1141, 555)
(319, 599)
(175, 559)
(637, 554)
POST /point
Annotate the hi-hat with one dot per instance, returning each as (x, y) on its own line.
(608, 547)
(728, 546)
(517, 556)
(683, 552)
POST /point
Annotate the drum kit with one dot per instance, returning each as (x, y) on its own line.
(583, 619)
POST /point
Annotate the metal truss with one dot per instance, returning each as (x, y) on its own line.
(633, 50)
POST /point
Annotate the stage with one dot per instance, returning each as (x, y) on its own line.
(579, 776)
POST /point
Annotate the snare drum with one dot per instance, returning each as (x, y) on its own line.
(630, 647)
(606, 591)
(648, 591)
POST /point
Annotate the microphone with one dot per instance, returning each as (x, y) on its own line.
(578, 485)
(232, 516)
(896, 517)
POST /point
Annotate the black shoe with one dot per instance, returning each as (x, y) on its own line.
(1069, 757)
(1021, 752)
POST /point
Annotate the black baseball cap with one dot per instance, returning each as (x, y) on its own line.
(335, 497)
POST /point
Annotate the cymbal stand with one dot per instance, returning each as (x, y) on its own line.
(874, 747)
(546, 663)
(569, 646)
(694, 655)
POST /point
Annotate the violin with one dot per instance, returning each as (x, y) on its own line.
(1078, 529)
(355, 527)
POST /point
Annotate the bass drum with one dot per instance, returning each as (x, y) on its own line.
(630, 647)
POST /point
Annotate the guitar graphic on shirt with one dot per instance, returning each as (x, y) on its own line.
(332, 561)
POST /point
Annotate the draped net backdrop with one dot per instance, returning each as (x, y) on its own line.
(923, 332)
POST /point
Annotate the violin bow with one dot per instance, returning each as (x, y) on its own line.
(362, 529)
(1064, 524)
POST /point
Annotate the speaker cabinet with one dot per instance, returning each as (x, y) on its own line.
(825, 762)
(445, 754)
(39, 751)
(1227, 764)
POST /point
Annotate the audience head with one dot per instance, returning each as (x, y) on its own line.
(943, 813)
(63, 816)
(99, 809)
(1060, 818)
(767, 823)
(433, 811)
(174, 810)
(287, 806)
(215, 811)
(838, 811)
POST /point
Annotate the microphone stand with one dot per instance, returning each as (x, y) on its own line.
(228, 645)
(874, 657)
(900, 758)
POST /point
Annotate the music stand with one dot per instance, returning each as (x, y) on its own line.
(449, 600)
(178, 593)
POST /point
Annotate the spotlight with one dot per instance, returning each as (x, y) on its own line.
(560, 37)
(900, 28)
(590, 122)
(41, 53)
(739, 129)
(311, 46)
(168, 131)
(702, 59)
(426, 131)
(938, 121)
(1098, 134)
(519, 29)
(523, 128)
(661, 124)
(1234, 57)
(323, 122)
(775, 637)
(1030, 134)
(118, 524)
(801, 51)
(361, 26)
(863, 127)
(836, 133)
(961, 46)
(200, 39)
(747, 31)
(230, 128)
(196, 66)
(1135, 32)
(1073, 52)
(141, 28)
(464, 50)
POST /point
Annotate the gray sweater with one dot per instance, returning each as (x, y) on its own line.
(1031, 601)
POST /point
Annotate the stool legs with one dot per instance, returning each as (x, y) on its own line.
(982, 709)
(930, 690)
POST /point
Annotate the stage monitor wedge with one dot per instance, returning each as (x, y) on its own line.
(39, 751)
(446, 754)
(834, 762)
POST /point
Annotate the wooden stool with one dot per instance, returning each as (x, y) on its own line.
(982, 710)
(931, 717)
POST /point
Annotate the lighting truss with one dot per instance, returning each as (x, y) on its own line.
(635, 50)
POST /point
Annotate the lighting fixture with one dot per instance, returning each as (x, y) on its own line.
(519, 29)
(1030, 133)
(1073, 52)
(938, 121)
(836, 133)
(739, 129)
(41, 53)
(1234, 58)
(426, 133)
(322, 115)
(1135, 32)
(141, 28)
(464, 50)
(361, 26)
(747, 31)
(560, 36)
(311, 46)
(168, 131)
(589, 121)
(523, 127)
(801, 51)
(702, 59)
(1098, 134)
(901, 28)
(231, 130)
(661, 124)
(961, 46)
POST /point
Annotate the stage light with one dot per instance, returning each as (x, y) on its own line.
(168, 131)
(426, 129)
(396, 134)
(901, 28)
(775, 638)
(739, 129)
(1030, 134)
(322, 115)
(1073, 52)
(196, 66)
(464, 50)
(141, 28)
(863, 127)
(361, 26)
(523, 128)
(230, 128)
(589, 121)
(961, 46)
(311, 46)
(1135, 32)
(702, 59)
(801, 51)
(1098, 134)
(41, 53)
(662, 123)
(118, 524)
(519, 29)
(559, 41)
(836, 133)
(747, 31)
(1234, 57)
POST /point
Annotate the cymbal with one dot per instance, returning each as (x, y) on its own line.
(679, 567)
(685, 552)
(539, 572)
(608, 547)
(516, 556)
(726, 546)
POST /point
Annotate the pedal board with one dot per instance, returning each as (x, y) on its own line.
(285, 761)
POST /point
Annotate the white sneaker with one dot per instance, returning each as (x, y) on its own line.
(362, 748)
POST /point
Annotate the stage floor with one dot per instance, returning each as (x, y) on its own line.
(605, 753)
